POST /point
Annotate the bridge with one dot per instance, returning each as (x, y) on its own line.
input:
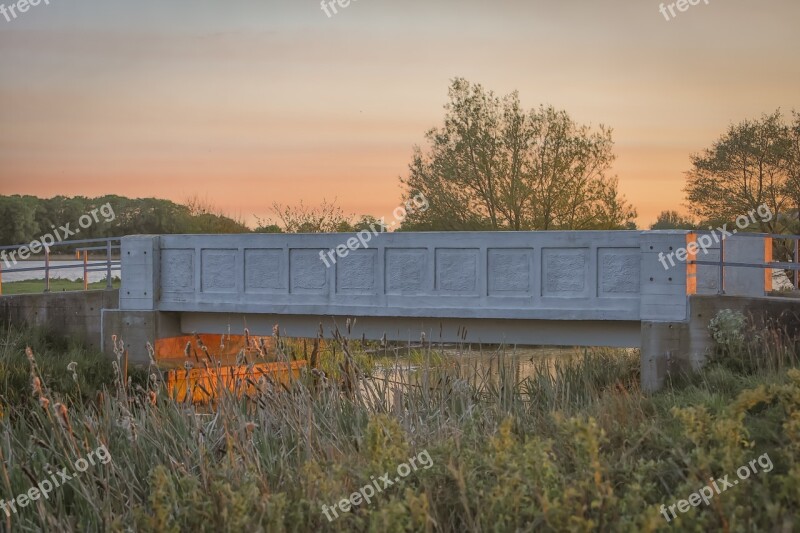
(575, 288)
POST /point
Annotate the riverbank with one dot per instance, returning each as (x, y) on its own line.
(574, 445)
(56, 285)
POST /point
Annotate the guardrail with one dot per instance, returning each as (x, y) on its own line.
(780, 265)
(108, 264)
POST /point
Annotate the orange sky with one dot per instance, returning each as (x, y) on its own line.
(249, 102)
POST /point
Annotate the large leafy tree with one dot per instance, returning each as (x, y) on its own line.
(752, 164)
(792, 188)
(495, 166)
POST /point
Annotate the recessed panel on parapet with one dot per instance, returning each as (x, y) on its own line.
(619, 272)
(265, 271)
(509, 272)
(177, 271)
(307, 274)
(357, 273)
(565, 272)
(457, 271)
(407, 271)
(218, 270)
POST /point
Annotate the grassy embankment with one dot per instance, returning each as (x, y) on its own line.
(56, 285)
(581, 449)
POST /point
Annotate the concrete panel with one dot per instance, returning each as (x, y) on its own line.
(591, 275)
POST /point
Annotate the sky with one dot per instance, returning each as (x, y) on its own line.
(245, 103)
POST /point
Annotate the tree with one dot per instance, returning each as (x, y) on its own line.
(494, 166)
(672, 220)
(749, 166)
(325, 218)
(792, 189)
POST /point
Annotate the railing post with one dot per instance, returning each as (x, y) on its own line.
(721, 277)
(108, 264)
(796, 260)
(1, 279)
(46, 268)
(85, 270)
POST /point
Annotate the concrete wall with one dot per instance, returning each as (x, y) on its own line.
(71, 315)
(576, 275)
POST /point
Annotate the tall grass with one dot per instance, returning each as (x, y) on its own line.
(576, 446)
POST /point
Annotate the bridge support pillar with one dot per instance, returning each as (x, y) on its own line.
(666, 352)
(136, 329)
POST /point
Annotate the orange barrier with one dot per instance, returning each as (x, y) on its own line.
(199, 367)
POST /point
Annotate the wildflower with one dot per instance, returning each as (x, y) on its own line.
(152, 396)
(44, 402)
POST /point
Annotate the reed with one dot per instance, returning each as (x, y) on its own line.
(575, 446)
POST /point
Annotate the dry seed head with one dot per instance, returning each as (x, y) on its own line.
(36, 384)
(72, 366)
(44, 402)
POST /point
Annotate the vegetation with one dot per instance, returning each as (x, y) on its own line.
(26, 218)
(672, 220)
(56, 285)
(495, 166)
(577, 447)
(755, 162)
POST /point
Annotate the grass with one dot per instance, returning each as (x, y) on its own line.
(56, 285)
(575, 447)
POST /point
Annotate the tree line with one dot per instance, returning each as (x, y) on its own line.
(26, 218)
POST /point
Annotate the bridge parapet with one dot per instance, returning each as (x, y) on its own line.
(569, 275)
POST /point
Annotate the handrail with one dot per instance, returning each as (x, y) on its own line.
(108, 264)
(779, 265)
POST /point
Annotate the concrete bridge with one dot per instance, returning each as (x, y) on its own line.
(575, 288)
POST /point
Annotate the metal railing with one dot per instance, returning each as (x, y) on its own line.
(108, 264)
(779, 265)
